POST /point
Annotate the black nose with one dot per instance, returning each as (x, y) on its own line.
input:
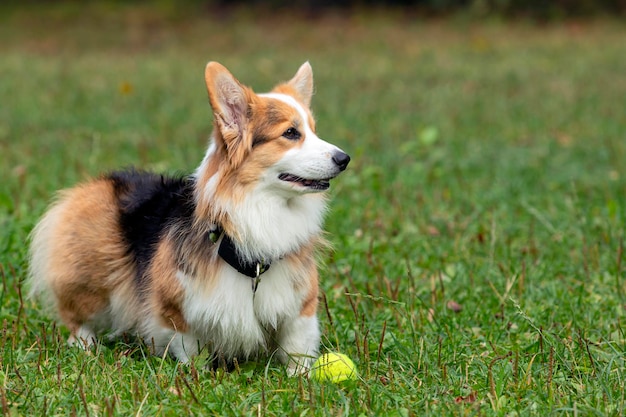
(341, 159)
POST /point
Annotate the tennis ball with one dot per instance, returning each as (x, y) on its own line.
(334, 367)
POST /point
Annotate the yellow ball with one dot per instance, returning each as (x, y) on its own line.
(334, 367)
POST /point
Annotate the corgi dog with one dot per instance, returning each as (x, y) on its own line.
(222, 259)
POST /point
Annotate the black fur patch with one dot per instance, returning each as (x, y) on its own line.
(150, 204)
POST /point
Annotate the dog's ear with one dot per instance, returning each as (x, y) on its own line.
(230, 102)
(302, 83)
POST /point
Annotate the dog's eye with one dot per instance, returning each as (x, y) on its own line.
(291, 134)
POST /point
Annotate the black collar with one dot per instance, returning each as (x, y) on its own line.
(228, 252)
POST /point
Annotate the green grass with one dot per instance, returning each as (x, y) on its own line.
(478, 233)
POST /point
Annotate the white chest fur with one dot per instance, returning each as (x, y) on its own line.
(230, 318)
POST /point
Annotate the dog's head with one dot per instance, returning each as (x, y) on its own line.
(268, 140)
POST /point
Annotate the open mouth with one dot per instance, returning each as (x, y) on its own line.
(311, 184)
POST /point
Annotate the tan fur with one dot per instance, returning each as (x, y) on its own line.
(306, 261)
(167, 293)
(203, 209)
(85, 256)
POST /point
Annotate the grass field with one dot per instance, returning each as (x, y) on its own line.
(478, 234)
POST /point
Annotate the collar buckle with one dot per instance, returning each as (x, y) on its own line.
(257, 279)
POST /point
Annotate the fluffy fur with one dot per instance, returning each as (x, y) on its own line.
(134, 252)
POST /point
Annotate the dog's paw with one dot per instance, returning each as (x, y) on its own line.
(84, 338)
(299, 365)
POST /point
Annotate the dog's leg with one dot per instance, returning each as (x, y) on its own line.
(84, 337)
(181, 346)
(298, 342)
